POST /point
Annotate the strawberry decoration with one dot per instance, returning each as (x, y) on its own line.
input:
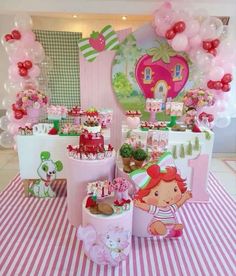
(24, 67)
(8, 37)
(162, 61)
(53, 131)
(196, 128)
(177, 28)
(14, 35)
(211, 45)
(18, 112)
(223, 84)
(90, 202)
(210, 117)
(97, 41)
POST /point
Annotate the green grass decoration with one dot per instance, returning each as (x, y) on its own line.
(189, 148)
(182, 151)
(196, 144)
(207, 135)
(174, 152)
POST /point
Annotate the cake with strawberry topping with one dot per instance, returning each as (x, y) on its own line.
(91, 147)
(92, 121)
(91, 142)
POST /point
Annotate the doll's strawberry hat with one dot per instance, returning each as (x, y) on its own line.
(142, 177)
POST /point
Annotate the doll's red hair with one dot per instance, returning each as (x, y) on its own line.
(156, 176)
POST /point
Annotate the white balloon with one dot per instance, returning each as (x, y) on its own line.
(12, 88)
(23, 21)
(223, 120)
(6, 139)
(4, 122)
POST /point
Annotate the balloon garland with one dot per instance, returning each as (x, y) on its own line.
(205, 41)
(27, 58)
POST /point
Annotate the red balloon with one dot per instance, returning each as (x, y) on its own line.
(210, 84)
(213, 52)
(20, 64)
(16, 34)
(226, 87)
(218, 85)
(18, 114)
(170, 34)
(28, 64)
(23, 72)
(215, 43)
(227, 78)
(8, 37)
(179, 27)
(206, 45)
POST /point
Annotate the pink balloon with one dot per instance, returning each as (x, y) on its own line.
(216, 74)
(28, 38)
(228, 67)
(180, 42)
(34, 72)
(192, 28)
(195, 41)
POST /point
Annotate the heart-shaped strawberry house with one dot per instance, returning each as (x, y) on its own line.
(161, 73)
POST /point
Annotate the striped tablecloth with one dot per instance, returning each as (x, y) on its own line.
(37, 239)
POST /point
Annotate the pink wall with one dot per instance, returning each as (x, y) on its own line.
(96, 87)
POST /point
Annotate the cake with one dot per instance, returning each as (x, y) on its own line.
(91, 147)
(92, 121)
(91, 142)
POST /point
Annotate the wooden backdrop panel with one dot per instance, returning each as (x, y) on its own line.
(96, 87)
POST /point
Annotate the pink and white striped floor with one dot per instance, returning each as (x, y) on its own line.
(36, 239)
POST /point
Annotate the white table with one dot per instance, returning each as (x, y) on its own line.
(29, 149)
(195, 167)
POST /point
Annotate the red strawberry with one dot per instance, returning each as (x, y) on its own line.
(196, 128)
(90, 202)
(53, 131)
(16, 34)
(97, 41)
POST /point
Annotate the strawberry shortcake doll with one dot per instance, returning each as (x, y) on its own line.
(162, 196)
